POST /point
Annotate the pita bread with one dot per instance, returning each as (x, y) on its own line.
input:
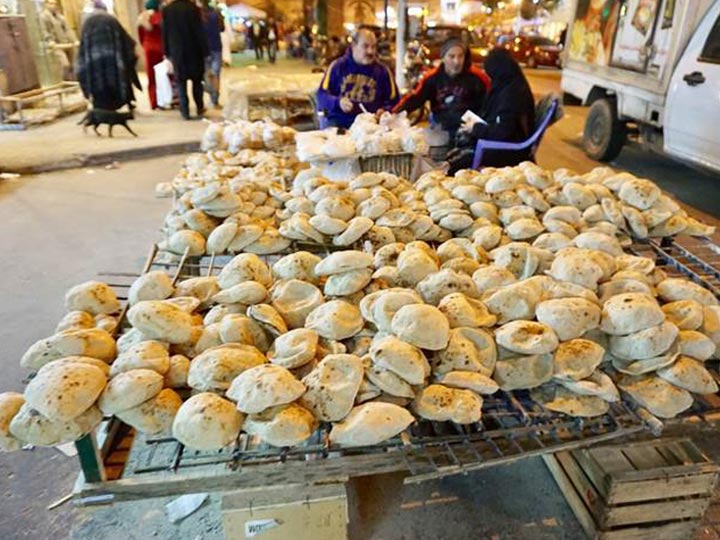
(421, 325)
(576, 267)
(696, 345)
(597, 384)
(560, 227)
(300, 265)
(648, 365)
(646, 343)
(332, 386)
(219, 239)
(560, 399)
(639, 193)
(244, 236)
(406, 361)
(711, 323)
(674, 289)
(248, 293)
(10, 404)
(130, 389)
(244, 267)
(513, 302)
(523, 371)
(335, 320)
(264, 386)
(578, 195)
(685, 314)
(468, 349)
(569, 318)
(176, 376)
(76, 320)
(492, 277)
(440, 403)
(434, 287)
(285, 425)
(627, 313)
(343, 261)
(154, 416)
(237, 328)
(469, 380)
(94, 297)
(414, 265)
(488, 236)
(461, 310)
(689, 374)
(216, 368)
(520, 258)
(577, 359)
(92, 342)
(347, 283)
(388, 255)
(185, 240)
(369, 424)
(657, 395)
(207, 422)
(618, 286)
(567, 214)
(294, 300)
(380, 307)
(154, 285)
(553, 241)
(31, 427)
(527, 337)
(388, 382)
(162, 321)
(356, 228)
(294, 349)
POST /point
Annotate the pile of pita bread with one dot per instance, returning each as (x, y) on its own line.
(237, 135)
(535, 292)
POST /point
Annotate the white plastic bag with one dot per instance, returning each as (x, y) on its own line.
(163, 87)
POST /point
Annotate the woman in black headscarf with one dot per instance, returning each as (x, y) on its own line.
(106, 62)
(508, 115)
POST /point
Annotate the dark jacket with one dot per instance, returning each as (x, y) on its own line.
(214, 25)
(106, 62)
(509, 109)
(449, 97)
(184, 39)
(373, 86)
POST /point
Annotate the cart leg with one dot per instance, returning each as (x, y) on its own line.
(90, 460)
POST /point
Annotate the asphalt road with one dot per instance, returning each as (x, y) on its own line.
(561, 147)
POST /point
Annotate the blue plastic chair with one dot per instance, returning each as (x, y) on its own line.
(533, 142)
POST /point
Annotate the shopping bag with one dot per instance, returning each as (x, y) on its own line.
(163, 86)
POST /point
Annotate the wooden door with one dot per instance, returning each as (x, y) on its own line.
(16, 56)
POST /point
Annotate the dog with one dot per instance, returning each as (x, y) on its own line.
(96, 117)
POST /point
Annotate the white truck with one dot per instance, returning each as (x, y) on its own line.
(648, 67)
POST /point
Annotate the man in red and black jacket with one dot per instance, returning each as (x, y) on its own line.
(452, 88)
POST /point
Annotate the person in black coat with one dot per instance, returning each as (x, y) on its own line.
(508, 115)
(186, 46)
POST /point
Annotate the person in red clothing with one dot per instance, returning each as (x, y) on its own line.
(452, 88)
(150, 33)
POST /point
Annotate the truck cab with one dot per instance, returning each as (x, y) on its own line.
(648, 65)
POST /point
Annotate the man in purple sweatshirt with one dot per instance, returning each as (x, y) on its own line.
(356, 79)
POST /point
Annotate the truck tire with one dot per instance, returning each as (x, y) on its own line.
(604, 134)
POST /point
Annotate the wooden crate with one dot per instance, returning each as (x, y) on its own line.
(654, 490)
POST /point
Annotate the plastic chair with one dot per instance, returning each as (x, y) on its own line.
(533, 142)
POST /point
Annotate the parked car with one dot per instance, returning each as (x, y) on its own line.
(532, 51)
(664, 83)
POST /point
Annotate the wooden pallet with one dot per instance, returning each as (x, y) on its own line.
(655, 490)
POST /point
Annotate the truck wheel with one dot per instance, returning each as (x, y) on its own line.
(604, 134)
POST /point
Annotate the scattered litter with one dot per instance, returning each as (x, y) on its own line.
(89, 171)
(550, 522)
(60, 501)
(29, 447)
(257, 526)
(68, 449)
(9, 176)
(113, 165)
(180, 508)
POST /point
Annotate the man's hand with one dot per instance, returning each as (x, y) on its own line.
(346, 105)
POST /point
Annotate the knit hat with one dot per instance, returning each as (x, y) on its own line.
(152, 4)
(449, 44)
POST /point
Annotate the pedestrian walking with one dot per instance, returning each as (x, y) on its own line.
(185, 44)
(150, 34)
(258, 38)
(214, 26)
(106, 63)
(59, 38)
(272, 40)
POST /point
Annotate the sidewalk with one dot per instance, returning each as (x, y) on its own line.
(63, 145)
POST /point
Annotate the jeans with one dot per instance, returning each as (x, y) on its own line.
(197, 91)
(213, 64)
(272, 51)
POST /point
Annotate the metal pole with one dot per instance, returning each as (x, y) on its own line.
(400, 44)
(385, 12)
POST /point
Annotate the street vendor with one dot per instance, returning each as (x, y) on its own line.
(453, 87)
(59, 37)
(356, 81)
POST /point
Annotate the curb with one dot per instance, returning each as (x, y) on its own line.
(79, 160)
